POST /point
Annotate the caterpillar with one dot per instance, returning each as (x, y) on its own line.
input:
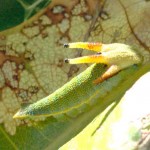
(89, 87)
(116, 56)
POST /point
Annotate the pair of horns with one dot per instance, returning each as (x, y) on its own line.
(86, 59)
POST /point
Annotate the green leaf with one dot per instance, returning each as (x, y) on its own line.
(15, 12)
(54, 132)
(32, 64)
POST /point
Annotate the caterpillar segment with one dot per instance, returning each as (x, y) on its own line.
(116, 56)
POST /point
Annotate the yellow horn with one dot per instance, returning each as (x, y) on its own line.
(85, 45)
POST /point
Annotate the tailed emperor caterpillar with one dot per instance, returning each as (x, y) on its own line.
(81, 93)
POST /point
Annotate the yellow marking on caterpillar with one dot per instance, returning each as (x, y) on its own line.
(85, 45)
(116, 56)
(86, 59)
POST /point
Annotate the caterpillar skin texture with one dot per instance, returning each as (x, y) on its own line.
(78, 95)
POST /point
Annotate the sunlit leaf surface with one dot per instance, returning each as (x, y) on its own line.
(31, 61)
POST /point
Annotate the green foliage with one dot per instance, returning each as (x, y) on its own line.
(15, 12)
(53, 133)
(41, 69)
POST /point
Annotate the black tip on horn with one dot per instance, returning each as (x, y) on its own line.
(66, 45)
(66, 61)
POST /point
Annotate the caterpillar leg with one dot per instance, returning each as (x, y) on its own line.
(112, 70)
(85, 45)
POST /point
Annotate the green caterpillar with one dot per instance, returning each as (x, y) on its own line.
(80, 94)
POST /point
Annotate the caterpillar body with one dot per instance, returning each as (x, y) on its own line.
(80, 94)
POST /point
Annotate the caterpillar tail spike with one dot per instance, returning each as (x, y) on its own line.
(116, 56)
(84, 45)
